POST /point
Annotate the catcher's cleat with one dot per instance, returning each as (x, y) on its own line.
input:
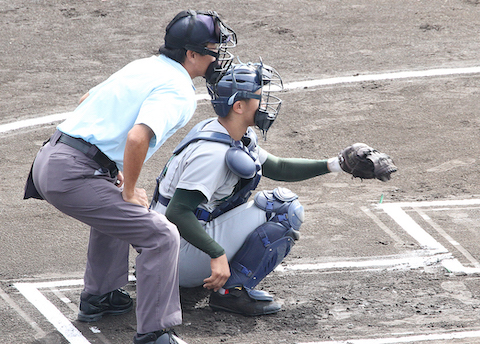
(238, 300)
(166, 336)
(93, 307)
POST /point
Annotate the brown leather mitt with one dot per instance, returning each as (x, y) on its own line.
(362, 161)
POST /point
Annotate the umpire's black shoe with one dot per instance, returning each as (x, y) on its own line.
(166, 336)
(93, 307)
(238, 300)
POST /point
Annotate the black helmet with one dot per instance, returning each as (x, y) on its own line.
(193, 30)
(241, 81)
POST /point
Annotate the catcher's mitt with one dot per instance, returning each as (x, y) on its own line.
(365, 162)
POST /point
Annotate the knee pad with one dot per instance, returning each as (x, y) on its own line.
(281, 205)
(267, 246)
(260, 254)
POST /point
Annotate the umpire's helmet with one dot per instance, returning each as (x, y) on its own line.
(241, 81)
(193, 30)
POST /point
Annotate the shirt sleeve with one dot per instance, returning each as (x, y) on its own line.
(293, 169)
(165, 111)
(205, 169)
(262, 155)
(180, 211)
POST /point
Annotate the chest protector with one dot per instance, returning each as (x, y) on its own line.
(241, 158)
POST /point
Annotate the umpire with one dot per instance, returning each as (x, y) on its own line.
(90, 166)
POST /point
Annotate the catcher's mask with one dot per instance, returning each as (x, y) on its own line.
(193, 30)
(241, 81)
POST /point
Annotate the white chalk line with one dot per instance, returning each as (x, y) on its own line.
(31, 290)
(447, 237)
(384, 227)
(413, 260)
(39, 332)
(32, 293)
(398, 214)
(289, 86)
(384, 76)
(426, 204)
(425, 240)
(406, 339)
(433, 253)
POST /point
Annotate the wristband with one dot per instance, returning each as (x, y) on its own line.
(333, 165)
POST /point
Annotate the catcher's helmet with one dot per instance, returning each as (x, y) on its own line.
(241, 81)
(193, 30)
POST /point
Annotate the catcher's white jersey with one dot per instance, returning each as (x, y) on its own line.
(201, 166)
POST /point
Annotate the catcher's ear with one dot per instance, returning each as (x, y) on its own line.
(238, 106)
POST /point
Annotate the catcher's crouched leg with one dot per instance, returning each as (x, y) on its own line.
(263, 250)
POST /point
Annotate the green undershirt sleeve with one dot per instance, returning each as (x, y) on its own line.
(180, 211)
(293, 169)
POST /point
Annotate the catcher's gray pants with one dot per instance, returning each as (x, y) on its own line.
(71, 182)
(230, 230)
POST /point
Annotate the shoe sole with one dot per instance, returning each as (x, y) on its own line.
(220, 308)
(97, 316)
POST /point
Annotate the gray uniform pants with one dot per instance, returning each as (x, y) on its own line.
(229, 230)
(73, 183)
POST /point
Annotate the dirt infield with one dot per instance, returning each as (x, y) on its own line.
(54, 51)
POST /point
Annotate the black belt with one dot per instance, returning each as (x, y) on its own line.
(90, 151)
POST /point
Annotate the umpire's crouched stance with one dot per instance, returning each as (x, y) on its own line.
(89, 169)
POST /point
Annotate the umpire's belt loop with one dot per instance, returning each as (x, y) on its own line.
(90, 151)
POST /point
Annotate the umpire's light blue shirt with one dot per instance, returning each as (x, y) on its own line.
(155, 91)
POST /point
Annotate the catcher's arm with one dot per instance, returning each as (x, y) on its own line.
(362, 161)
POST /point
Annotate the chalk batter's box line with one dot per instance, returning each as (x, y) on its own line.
(31, 291)
(399, 215)
(447, 337)
(73, 335)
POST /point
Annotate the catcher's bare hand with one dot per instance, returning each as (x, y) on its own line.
(362, 161)
(220, 273)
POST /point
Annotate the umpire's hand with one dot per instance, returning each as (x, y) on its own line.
(139, 197)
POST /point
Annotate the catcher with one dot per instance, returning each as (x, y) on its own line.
(229, 244)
